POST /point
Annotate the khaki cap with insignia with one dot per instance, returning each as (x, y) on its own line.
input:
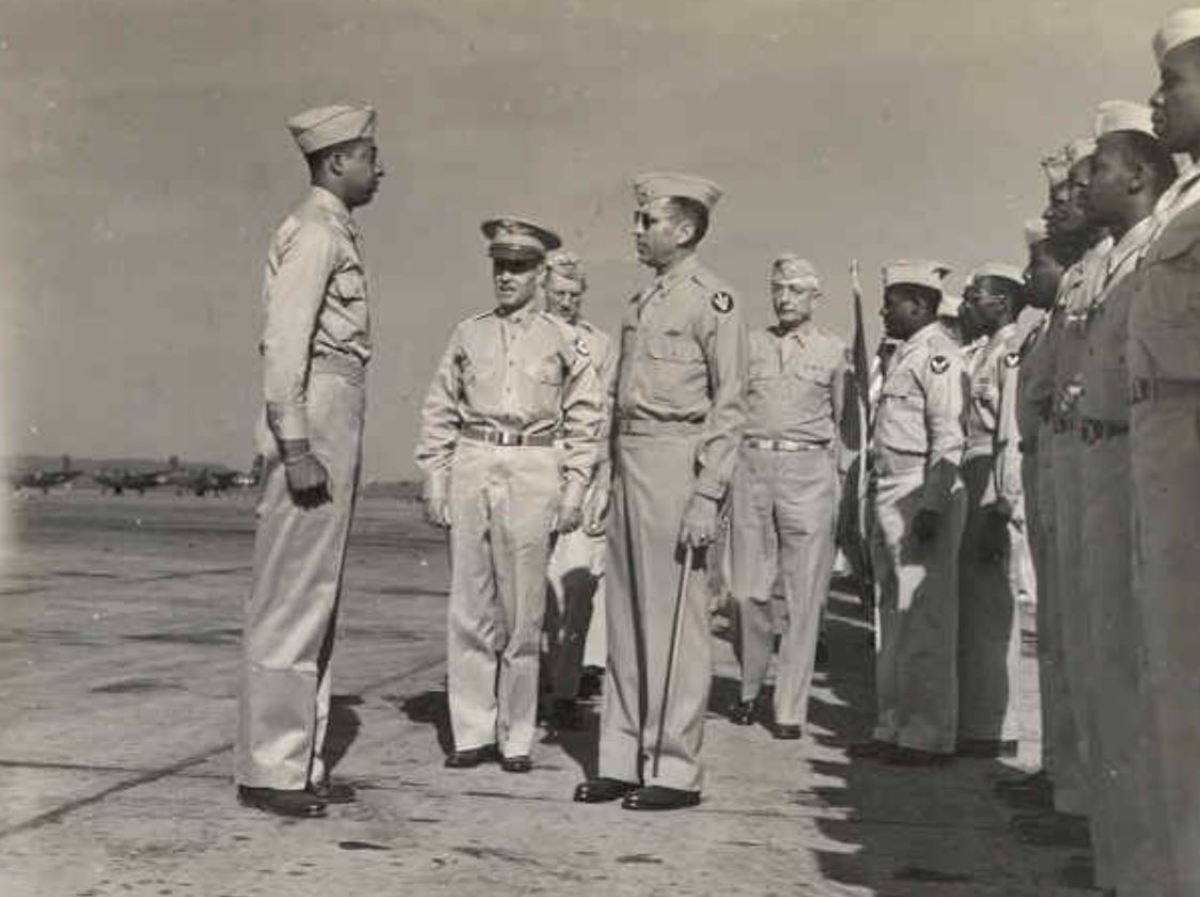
(949, 306)
(1057, 168)
(1000, 270)
(1079, 149)
(792, 270)
(1122, 115)
(916, 272)
(567, 265)
(660, 185)
(1035, 231)
(1178, 28)
(516, 239)
(315, 129)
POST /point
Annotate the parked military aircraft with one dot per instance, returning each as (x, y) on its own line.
(45, 479)
(117, 481)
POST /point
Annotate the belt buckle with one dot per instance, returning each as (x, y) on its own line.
(506, 439)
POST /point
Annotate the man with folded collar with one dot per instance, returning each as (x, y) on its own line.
(510, 435)
(1130, 170)
(1163, 357)
(679, 417)
(785, 493)
(917, 447)
(315, 348)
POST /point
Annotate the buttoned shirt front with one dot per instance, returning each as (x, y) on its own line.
(1080, 284)
(683, 360)
(521, 371)
(797, 384)
(985, 373)
(920, 411)
(315, 297)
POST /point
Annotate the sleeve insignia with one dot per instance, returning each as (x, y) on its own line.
(722, 302)
(1012, 359)
(581, 346)
(939, 364)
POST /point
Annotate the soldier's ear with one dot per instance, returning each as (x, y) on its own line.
(685, 230)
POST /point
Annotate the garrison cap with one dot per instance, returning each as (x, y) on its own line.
(518, 240)
(1057, 167)
(998, 269)
(1177, 28)
(567, 265)
(660, 185)
(1035, 231)
(1122, 115)
(315, 129)
(915, 272)
(793, 270)
(1079, 149)
(949, 306)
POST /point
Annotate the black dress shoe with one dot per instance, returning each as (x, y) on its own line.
(659, 797)
(741, 713)
(602, 789)
(869, 750)
(906, 756)
(330, 792)
(987, 747)
(471, 757)
(292, 803)
(788, 733)
(520, 763)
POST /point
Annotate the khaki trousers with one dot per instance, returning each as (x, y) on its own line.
(782, 521)
(502, 504)
(653, 483)
(989, 626)
(287, 640)
(574, 601)
(1166, 491)
(916, 665)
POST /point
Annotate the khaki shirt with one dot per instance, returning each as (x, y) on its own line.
(315, 294)
(1004, 355)
(920, 412)
(525, 372)
(602, 353)
(985, 373)
(1164, 319)
(797, 384)
(1081, 284)
(683, 360)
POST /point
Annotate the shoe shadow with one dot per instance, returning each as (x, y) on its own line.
(344, 725)
(432, 709)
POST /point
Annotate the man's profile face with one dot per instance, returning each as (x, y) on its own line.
(1074, 218)
(1056, 208)
(1176, 103)
(987, 304)
(1042, 276)
(793, 303)
(563, 297)
(656, 232)
(1109, 184)
(515, 281)
(361, 172)
(903, 311)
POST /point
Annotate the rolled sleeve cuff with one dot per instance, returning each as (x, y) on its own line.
(287, 421)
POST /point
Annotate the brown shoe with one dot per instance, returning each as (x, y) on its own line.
(291, 803)
(330, 792)
(602, 789)
(516, 764)
(659, 797)
(471, 757)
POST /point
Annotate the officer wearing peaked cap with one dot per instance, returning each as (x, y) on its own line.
(919, 505)
(510, 434)
(679, 418)
(785, 492)
(315, 348)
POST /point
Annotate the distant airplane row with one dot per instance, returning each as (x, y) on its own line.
(198, 481)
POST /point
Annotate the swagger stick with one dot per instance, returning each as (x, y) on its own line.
(680, 597)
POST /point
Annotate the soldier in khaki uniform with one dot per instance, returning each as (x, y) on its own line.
(1130, 169)
(315, 347)
(575, 612)
(785, 493)
(510, 437)
(679, 417)
(919, 506)
(989, 624)
(1163, 357)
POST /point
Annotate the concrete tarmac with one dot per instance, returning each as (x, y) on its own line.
(120, 619)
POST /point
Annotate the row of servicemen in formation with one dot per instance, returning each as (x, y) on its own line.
(546, 448)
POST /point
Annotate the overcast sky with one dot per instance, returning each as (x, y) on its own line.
(145, 162)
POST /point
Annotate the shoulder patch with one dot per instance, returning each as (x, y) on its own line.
(1012, 359)
(939, 364)
(581, 346)
(722, 301)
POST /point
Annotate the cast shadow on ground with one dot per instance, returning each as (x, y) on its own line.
(344, 724)
(432, 709)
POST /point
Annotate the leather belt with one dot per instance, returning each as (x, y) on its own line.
(784, 445)
(642, 427)
(507, 438)
(1144, 389)
(1093, 430)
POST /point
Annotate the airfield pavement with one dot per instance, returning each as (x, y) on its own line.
(120, 619)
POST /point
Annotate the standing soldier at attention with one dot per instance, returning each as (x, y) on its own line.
(576, 583)
(920, 507)
(679, 417)
(989, 621)
(785, 493)
(510, 436)
(315, 348)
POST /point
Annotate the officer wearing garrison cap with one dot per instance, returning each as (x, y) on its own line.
(1163, 358)
(785, 493)
(679, 417)
(510, 435)
(989, 630)
(919, 506)
(575, 612)
(315, 347)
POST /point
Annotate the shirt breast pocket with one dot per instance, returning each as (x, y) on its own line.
(676, 368)
(349, 286)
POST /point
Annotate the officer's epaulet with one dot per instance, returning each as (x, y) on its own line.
(482, 315)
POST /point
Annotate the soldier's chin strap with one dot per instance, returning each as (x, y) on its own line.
(680, 597)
